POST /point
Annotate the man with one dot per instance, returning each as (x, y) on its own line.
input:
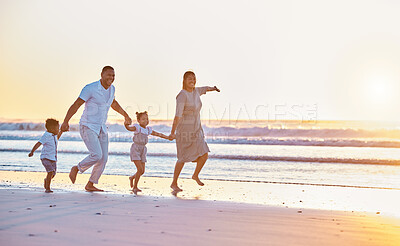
(98, 96)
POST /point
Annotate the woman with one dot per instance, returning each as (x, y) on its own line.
(190, 143)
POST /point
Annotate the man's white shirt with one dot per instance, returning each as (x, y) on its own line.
(97, 103)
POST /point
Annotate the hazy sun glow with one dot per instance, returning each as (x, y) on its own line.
(262, 54)
(379, 90)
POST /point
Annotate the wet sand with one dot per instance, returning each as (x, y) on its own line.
(221, 212)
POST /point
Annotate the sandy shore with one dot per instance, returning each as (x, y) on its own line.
(220, 213)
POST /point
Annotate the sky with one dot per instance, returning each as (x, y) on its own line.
(301, 60)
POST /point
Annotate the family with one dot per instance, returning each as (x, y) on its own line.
(98, 97)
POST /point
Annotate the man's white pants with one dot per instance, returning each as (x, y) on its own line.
(97, 144)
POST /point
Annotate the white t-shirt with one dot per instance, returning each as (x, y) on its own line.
(49, 142)
(97, 103)
(147, 131)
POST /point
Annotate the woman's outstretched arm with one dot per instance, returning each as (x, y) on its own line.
(212, 88)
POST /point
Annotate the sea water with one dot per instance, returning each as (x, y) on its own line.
(333, 154)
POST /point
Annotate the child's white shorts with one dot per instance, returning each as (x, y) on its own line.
(138, 152)
(49, 165)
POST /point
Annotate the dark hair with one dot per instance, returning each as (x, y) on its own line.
(139, 115)
(185, 75)
(51, 123)
(106, 68)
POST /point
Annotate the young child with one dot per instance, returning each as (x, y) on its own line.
(49, 150)
(138, 148)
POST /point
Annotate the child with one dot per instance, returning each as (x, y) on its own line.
(138, 148)
(49, 150)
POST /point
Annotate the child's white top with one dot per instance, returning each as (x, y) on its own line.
(49, 142)
(147, 131)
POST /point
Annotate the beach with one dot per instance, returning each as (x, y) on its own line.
(221, 212)
(279, 120)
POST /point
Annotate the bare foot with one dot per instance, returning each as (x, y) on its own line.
(197, 180)
(46, 185)
(176, 188)
(136, 190)
(73, 173)
(48, 191)
(91, 188)
(131, 178)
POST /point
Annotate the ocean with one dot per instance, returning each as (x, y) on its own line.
(348, 154)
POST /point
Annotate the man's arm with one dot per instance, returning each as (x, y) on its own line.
(71, 111)
(59, 134)
(115, 105)
(130, 128)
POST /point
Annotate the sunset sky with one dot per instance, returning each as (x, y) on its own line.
(330, 60)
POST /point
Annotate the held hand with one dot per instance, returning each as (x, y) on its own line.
(168, 138)
(64, 127)
(30, 154)
(128, 121)
(171, 137)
